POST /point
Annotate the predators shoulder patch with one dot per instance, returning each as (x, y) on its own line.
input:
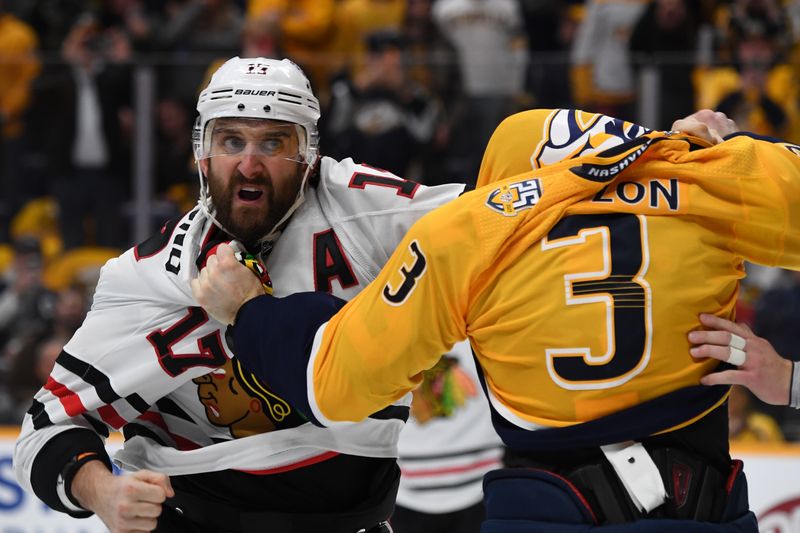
(511, 198)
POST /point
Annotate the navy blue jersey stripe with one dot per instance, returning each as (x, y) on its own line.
(445, 486)
(167, 406)
(133, 429)
(99, 427)
(436, 456)
(39, 415)
(99, 381)
(633, 423)
(137, 402)
(757, 137)
(399, 412)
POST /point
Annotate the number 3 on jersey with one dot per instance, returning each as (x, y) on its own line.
(619, 286)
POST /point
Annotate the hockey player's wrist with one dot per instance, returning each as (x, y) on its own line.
(82, 481)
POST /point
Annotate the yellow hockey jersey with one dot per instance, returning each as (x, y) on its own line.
(576, 285)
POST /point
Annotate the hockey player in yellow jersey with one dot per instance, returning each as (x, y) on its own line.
(576, 285)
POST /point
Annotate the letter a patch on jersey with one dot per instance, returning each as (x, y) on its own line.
(515, 197)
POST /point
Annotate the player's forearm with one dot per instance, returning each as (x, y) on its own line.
(89, 484)
(49, 467)
(273, 338)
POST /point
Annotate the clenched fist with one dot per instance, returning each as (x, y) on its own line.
(224, 285)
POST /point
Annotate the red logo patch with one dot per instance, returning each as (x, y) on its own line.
(681, 481)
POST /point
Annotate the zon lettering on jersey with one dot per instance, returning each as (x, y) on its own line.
(410, 276)
(330, 262)
(655, 193)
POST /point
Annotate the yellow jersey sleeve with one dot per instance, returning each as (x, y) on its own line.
(417, 307)
(494, 266)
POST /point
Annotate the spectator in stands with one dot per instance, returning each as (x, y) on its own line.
(26, 306)
(666, 37)
(28, 372)
(744, 17)
(202, 25)
(50, 19)
(193, 33)
(602, 74)
(492, 56)
(302, 29)
(432, 64)
(354, 21)
(550, 26)
(380, 116)
(18, 67)
(26, 314)
(176, 174)
(430, 57)
(745, 423)
(30, 357)
(70, 310)
(259, 40)
(751, 103)
(756, 81)
(83, 124)
(140, 20)
(46, 355)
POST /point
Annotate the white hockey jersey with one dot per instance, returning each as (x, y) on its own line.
(150, 361)
(444, 459)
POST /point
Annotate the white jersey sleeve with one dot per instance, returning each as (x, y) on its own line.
(372, 209)
(143, 338)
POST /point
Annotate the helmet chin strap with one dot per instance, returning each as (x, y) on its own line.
(206, 204)
(276, 230)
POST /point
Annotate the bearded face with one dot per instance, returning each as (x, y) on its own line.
(253, 175)
(251, 207)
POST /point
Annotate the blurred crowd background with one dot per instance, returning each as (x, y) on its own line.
(97, 105)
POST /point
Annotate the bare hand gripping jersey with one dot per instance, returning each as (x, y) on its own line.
(576, 285)
(150, 362)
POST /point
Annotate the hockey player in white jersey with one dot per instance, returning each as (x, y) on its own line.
(203, 435)
(211, 446)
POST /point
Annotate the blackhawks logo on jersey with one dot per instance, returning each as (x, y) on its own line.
(257, 268)
(445, 388)
(514, 197)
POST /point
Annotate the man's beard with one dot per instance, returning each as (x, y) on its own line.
(250, 224)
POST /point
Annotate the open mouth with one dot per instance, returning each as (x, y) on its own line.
(249, 194)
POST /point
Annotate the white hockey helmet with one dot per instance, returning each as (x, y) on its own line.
(257, 88)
